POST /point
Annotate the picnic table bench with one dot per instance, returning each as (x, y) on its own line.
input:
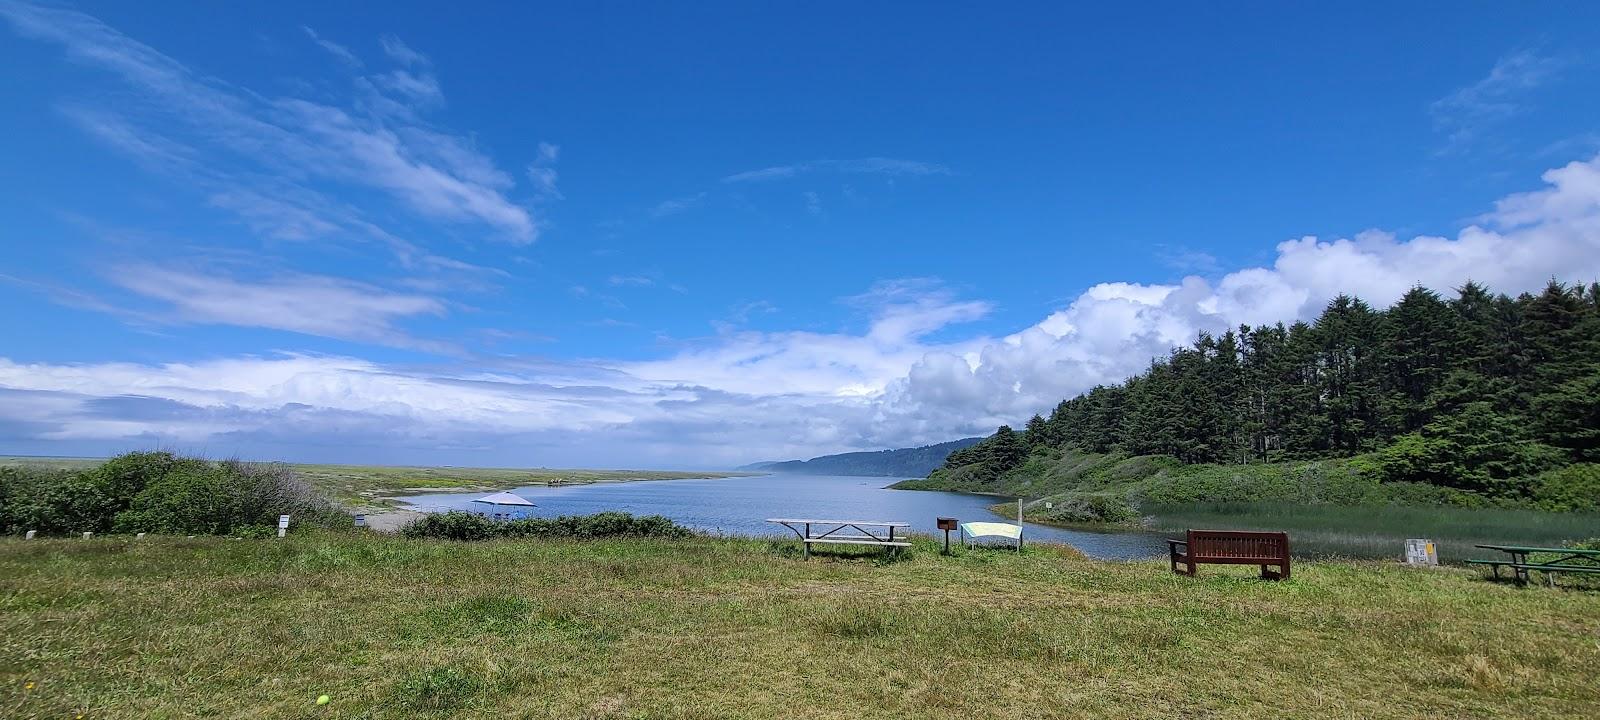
(866, 532)
(1568, 560)
(1231, 547)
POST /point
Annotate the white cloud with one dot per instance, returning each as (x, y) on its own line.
(308, 304)
(904, 378)
(861, 166)
(290, 139)
(402, 53)
(1465, 114)
(677, 205)
(335, 49)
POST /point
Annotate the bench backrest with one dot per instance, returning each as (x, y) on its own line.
(1238, 544)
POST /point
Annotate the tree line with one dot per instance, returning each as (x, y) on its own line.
(1480, 392)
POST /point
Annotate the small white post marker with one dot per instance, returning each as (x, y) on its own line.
(87, 534)
(140, 536)
(30, 534)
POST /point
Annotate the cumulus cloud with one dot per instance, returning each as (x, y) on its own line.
(908, 372)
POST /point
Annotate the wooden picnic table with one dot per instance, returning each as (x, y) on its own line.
(1569, 560)
(867, 532)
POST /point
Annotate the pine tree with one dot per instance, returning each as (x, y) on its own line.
(1421, 329)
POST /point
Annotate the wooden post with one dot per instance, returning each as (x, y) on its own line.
(1019, 524)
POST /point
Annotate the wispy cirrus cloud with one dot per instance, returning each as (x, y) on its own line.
(437, 176)
(677, 205)
(860, 166)
(1464, 115)
(295, 302)
(341, 52)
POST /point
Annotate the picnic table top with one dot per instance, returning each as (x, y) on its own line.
(1521, 549)
(885, 523)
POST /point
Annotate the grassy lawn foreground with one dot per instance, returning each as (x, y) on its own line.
(706, 628)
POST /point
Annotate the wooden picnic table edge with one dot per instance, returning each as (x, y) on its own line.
(1522, 549)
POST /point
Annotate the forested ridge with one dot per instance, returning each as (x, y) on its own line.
(1482, 393)
(903, 462)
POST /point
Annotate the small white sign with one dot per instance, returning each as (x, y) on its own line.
(283, 522)
(1421, 552)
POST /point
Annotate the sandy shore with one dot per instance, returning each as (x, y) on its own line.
(391, 520)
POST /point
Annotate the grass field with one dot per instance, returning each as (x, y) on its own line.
(366, 486)
(704, 628)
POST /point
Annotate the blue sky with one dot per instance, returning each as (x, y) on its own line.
(698, 235)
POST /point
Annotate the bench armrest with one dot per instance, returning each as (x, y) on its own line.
(1173, 544)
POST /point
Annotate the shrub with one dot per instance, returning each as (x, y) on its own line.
(1572, 488)
(158, 492)
(458, 525)
(1091, 508)
(453, 525)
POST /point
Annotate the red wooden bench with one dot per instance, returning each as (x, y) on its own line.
(1232, 547)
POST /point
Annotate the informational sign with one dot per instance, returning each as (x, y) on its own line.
(283, 525)
(1421, 552)
(361, 521)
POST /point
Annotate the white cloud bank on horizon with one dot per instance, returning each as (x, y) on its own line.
(743, 396)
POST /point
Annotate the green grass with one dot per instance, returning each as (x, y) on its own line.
(366, 486)
(717, 628)
(1381, 531)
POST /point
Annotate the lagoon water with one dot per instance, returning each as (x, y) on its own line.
(740, 506)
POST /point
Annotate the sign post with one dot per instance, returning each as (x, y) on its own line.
(283, 525)
(947, 524)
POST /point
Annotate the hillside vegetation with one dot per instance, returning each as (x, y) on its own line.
(722, 628)
(368, 486)
(904, 462)
(1479, 400)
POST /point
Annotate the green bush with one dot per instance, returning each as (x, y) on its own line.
(158, 492)
(1091, 508)
(453, 525)
(459, 525)
(1572, 488)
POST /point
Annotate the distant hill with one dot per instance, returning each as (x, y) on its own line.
(904, 462)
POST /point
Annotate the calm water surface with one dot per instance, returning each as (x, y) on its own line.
(740, 506)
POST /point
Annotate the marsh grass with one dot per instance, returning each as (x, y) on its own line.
(1381, 531)
(715, 628)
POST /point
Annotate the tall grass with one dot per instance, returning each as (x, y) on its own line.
(1380, 531)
